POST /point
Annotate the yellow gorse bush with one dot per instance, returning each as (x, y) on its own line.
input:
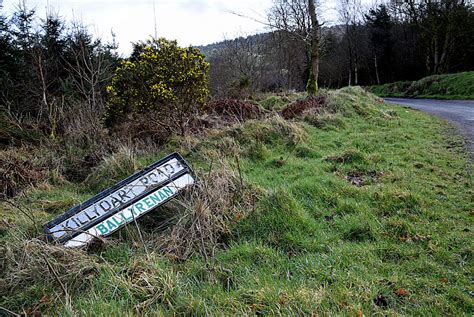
(159, 76)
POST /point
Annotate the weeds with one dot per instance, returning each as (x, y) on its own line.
(113, 168)
(298, 107)
(234, 110)
(27, 264)
(204, 216)
(323, 232)
(275, 103)
(17, 172)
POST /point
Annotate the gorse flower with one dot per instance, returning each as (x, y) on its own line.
(162, 77)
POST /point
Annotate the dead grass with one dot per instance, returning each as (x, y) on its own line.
(271, 130)
(234, 109)
(113, 168)
(149, 282)
(205, 215)
(362, 178)
(297, 108)
(28, 263)
(17, 172)
(143, 127)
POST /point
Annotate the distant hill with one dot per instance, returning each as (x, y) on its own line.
(210, 49)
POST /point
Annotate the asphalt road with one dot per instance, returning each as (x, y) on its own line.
(458, 112)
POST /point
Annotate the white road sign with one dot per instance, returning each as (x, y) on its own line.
(123, 203)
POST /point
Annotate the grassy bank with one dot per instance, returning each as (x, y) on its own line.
(450, 86)
(363, 208)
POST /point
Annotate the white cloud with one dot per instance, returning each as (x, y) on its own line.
(195, 22)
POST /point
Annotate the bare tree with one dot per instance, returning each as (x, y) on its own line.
(89, 66)
(350, 16)
(440, 25)
(243, 56)
(299, 19)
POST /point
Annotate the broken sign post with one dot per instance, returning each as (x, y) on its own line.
(122, 203)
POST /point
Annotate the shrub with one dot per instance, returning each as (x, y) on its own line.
(161, 77)
(13, 132)
(234, 109)
(298, 107)
(17, 172)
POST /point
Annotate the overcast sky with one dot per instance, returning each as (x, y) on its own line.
(195, 22)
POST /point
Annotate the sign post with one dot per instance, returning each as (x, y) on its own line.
(122, 203)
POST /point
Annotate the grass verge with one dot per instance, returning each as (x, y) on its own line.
(363, 208)
(449, 86)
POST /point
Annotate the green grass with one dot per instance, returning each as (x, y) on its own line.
(396, 89)
(314, 242)
(450, 86)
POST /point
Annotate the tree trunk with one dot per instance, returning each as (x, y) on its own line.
(356, 74)
(435, 56)
(312, 85)
(349, 50)
(443, 67)
(376, 69)
(356, 58)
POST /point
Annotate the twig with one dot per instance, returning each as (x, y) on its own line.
(9, 311)
(202, 242)
(291, 152)
(140, 235)
(240, 172)
(23, 212)
(66, 294)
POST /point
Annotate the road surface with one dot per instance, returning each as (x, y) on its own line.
(459, 112)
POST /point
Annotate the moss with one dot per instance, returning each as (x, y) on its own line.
(312, 86)
(324, 120)
(276, 103)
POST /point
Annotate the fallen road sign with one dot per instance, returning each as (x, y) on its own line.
(126, 201)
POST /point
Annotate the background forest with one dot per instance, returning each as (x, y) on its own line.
(48, 65)
(396, 41)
